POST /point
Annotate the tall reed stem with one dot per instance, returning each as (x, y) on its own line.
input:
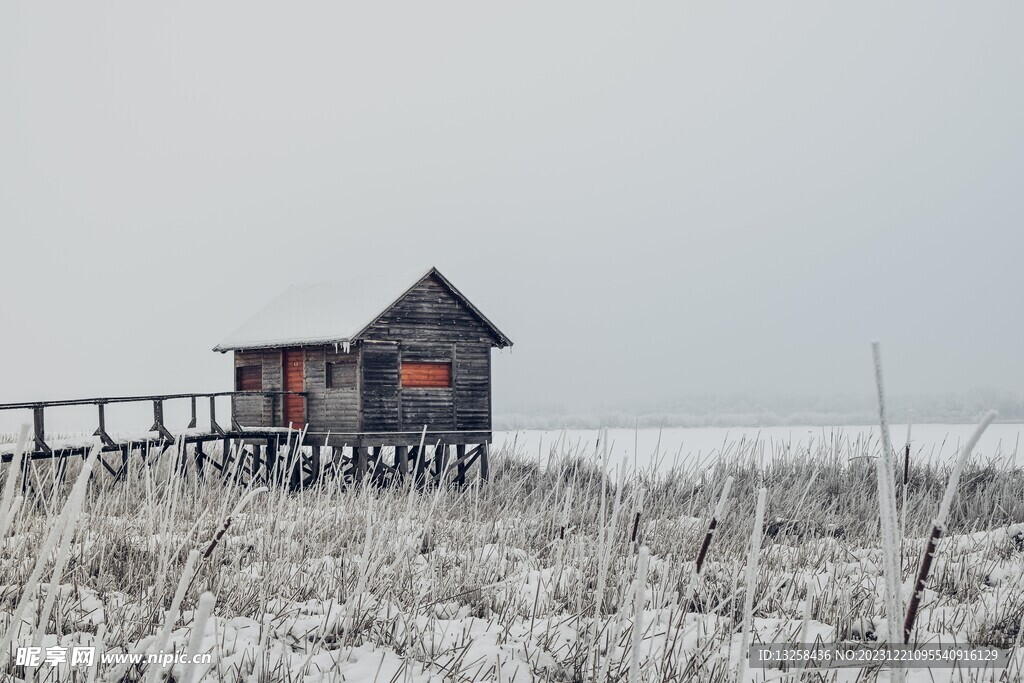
(748, 599)
(891, 564)
(939, 525)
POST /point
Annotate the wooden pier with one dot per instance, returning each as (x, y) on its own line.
(248, 455)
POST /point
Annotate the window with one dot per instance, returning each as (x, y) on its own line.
(341, 374)
(249, 378)
(426, 375)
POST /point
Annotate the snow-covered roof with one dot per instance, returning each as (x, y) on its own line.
(332, 312)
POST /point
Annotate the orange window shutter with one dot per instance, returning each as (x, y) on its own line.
(426, 375)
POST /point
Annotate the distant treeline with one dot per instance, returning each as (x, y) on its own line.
(769, 411)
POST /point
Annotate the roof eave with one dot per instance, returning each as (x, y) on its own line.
(224, 348)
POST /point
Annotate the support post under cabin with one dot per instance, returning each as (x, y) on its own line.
(375, 457)
(440, 462)
(421, 464)
(402, 460)
(460, 466)
(361, 453)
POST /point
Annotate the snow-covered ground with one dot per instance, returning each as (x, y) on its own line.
(533, 577)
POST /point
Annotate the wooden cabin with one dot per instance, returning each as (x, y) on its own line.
(371, 363)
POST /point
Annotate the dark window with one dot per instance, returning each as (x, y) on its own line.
(426, 375)
(341, 374)
(249, 378)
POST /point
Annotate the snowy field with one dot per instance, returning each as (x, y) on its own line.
(557, 573)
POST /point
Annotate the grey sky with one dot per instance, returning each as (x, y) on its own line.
(651, 199)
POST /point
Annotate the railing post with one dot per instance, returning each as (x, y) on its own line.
(39, 429)
(192, 424)
(101, 431)
(214, 427)
(235, 427)
(158, 421)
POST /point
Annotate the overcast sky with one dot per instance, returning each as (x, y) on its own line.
(651, 199)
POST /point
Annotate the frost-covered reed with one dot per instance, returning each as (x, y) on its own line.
(889, 522)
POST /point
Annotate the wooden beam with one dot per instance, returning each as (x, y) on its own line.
(107, 467)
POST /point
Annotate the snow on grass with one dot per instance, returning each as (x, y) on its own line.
(499, 582)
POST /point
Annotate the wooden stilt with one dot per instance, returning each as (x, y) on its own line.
(420, 465)
(262, 457)
(225, 457)
(440, 462)
(485, 465)
(26, 475)
(272, 463)
(200, 456)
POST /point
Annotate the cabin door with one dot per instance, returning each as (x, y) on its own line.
(294, 373)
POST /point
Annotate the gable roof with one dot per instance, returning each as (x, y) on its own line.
(335, 313)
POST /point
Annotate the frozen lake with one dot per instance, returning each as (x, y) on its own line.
(686, 445)
(642, 447)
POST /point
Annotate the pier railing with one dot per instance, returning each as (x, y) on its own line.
(39, 409)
